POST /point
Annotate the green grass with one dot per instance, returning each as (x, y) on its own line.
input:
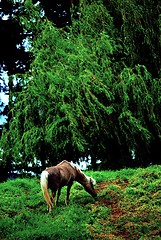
(128, 207)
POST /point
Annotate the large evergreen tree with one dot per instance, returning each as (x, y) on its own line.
(90, 88)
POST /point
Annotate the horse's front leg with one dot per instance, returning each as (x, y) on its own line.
(68, 192)
(58, 195)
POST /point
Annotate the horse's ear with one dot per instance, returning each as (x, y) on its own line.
(92, 181)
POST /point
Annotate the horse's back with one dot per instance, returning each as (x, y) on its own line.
(60, 175)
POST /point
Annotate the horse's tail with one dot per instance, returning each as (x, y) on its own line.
(44, 187)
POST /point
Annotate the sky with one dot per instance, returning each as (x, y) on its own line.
(3, 96)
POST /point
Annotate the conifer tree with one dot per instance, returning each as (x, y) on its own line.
(87, 91)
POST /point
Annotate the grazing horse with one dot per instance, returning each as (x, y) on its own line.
(63, 174)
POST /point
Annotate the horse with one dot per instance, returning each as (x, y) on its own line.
(63, 174)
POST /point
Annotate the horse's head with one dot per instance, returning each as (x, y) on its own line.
(87, 182)
(89, 187)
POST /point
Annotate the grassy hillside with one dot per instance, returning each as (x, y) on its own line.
(128, 207)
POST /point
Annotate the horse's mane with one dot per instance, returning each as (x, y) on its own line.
(81, 173)
(76, 168)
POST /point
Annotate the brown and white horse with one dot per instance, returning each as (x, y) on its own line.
(63, 174)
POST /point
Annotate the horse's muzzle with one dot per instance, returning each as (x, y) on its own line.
(94, 195)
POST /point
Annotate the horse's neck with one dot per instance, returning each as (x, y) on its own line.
(81, 177)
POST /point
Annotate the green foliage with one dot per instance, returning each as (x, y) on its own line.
(90, 89)
(30, 219)
(126, 208)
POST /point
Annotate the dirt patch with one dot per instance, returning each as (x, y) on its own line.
(118, 182)
(112, 200)
(101, 186)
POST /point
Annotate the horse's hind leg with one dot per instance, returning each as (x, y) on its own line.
(53, 195)
(58, 195)
(49, 208)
